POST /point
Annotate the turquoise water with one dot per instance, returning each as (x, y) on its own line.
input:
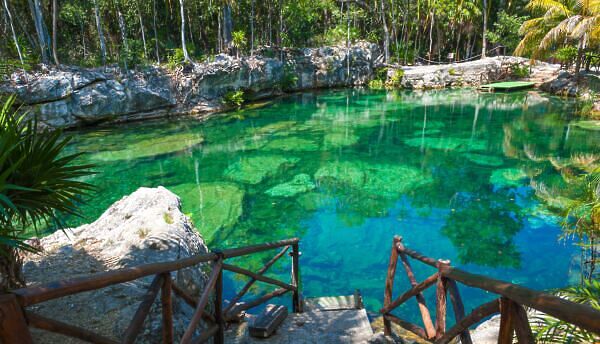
(453, 171)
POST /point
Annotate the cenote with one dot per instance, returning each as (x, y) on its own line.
(452, 171)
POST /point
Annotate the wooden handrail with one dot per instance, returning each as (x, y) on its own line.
(14, 325)
(33, 295)
(580, 315)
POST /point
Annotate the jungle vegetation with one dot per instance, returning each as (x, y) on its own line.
(136, 32)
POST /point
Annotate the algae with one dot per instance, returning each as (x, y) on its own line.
(301, 183)
(339, 139)
(292, 144)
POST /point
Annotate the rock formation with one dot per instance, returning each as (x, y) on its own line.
(144, 227)
(73, 97)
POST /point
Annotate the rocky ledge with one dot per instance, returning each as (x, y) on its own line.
(473, 73)
(72, 97)
(144, 227)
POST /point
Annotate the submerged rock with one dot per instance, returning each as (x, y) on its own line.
(254, 169)
(214, 207)
(152, 147)
(300, 184)
(484, 160)
(508, 177)
(144, 227)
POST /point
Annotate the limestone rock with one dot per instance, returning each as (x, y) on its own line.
(144, 227)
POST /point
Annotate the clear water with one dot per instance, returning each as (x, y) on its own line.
(451, 171)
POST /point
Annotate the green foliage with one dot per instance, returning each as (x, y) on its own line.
(566, 55)
(377, 84)
(239, 40)
(289, 79)
(519, 71)
(337, 35)
(552, 330)
(506, 30)
(234, 98)
(452, 71)
(38, 183)
(175, 58)
(396, 78)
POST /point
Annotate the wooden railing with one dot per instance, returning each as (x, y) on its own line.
(510, 304)
(15, 319)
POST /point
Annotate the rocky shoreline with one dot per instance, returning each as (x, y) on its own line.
(72, 97)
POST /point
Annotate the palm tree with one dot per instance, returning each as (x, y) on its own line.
(560, 22)
(38, 186)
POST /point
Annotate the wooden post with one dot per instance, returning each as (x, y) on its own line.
(459, 310)
(220, 335)
(505, 336)
(389, 283)
(13, 326)
(166, 301)
(440, 315)
(296, 305)
(425, 316)
(521, 325)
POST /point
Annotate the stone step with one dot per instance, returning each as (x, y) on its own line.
(333, 303)
(317, 326)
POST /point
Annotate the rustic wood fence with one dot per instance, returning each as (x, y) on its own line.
(510, 304)
(15, 319)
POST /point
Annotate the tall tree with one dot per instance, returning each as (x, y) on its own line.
(12, 29)
(484, 31)
(40, 28)
(186, 56)
(100, 33)
(54, 30)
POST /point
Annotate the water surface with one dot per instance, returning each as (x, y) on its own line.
(451, 171)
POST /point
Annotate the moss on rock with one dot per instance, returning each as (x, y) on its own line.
(254, 169)
(151, 147)
(301, 183)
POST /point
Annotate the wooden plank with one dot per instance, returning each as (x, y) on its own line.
(459, 310)
(268, 321)
(212, 280)
(242, 251)
(425, 315)
(56, 326)
(505, 335)
(167, 309)
(261, 278)
(419, 331)
(240, 307)
(478, 314)
(296, 305)
(522, 326)
(389, 283)
(577, 314)
(247, 286)
(429, 281)
(140, 315)
(13, 325)
(418, 256)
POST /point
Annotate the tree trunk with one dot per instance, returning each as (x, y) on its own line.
(186, 56)
(100, 33)
(123, 37)
(252, 28)
(431, 35)
(12, 29)
(386, 34)
(155, 31)
(143, 32)
(227, 28)
(11, 272)
(483, 36)
(580, 50)
(54, 30)
(40, 29)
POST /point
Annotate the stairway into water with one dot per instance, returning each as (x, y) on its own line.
(328, 320)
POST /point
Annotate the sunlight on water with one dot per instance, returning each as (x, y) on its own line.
(451, 171)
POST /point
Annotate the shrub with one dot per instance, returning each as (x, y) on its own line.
(175, 58)
(566, 55)
(519, 71)
(234, 98)
(452, 71)
(396, 79)
(377, 84)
